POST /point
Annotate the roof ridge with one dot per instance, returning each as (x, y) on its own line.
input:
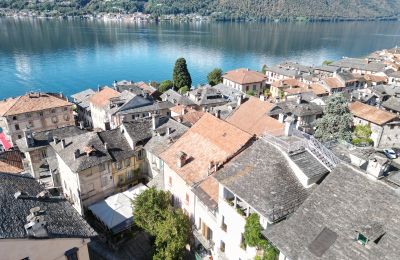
(16, 101)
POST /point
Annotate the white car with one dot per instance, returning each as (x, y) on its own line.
(390, 153)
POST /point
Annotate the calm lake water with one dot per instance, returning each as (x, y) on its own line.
(68, 56)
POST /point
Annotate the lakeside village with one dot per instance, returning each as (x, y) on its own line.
(294, 162)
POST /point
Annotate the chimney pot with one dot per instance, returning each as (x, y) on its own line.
(106, 145)
(81, 125)
(168, 131)
(181, 159)
(77, 153)
(63, 143)
(154, 121)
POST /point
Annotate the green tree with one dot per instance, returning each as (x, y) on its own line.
(214, 77)
(172, 236)
(165, 85)
(264, 69)
(362, 135)
(327, 62)
(184, 90)
(150, 208)
(337, 120)
(252, 230)
(250, 93)
(181, 75)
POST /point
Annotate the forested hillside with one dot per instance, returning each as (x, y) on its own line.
(223, 9)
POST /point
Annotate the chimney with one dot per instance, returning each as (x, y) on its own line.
(81, 125)
(55, 139)
(106, 145)
(77, 153)
(218, 113)
(298, 100)
(289, 125)
(63, 143)
(115, 84)
(168, 132)
(183, 111)
(182, 157)
(154, 121)
(262, 97)
(239, 100)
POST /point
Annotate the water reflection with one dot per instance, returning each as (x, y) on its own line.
(71, 55)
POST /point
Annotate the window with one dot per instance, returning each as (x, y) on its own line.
(19, 136)
(72, 254)
(14, 118)
(41, 114)
(90, 187)
(118, 165)
(104, 180)
(140, 154)
(243, 242)
(65, 108)
(30, 124)
(102, 167)
(127, 162)
(170, 181)
(222, 246)
(187, 199)
(53, 111)
(28, 115)
(44, 153)
(54, 119)
(120, 179)
(254, 87)
(223, 224)
(16, 126)
(129, 175)
(66, 117)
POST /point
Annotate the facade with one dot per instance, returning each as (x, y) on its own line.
(385, 126)
(245, 80)
(34, 111)
(85, 169)
(37, 225)
(280, 73)
(82, 109)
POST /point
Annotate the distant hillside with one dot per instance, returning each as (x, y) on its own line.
(225, 9)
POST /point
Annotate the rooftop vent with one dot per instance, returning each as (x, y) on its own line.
(20, 194)
(43, 194)
(37, 228)
(89, 150)
(371, 232)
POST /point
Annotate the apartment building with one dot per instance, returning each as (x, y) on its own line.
(245, 80)
(34, 111)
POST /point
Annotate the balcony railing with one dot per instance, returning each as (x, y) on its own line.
(207, 243)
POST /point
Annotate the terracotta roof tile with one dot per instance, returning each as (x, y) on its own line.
(244, 76)
(252, 117)
(375, 78)
(8, 168)
(209, 140)
(333, 83)
(190, 117)
(210, 186)
(102, 98)
(370, 113)
(32, 102)
(318, 89)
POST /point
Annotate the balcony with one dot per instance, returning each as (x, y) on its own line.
(241, 207)
(207, 244)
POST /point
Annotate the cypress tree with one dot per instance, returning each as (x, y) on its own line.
(181, 75)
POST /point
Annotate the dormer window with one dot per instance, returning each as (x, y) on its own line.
(371, 232)
(362, 239)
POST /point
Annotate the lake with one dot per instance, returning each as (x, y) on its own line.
(70, 55)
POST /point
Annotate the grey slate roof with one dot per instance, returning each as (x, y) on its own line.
(283, 71)
(43, 138)
(207, 95)
(296, 66)
(83, 98)
(386, 90)
(346, 202)
(140, 131)
(160, 142)
(395, 74)
(156, 106)
(327, 68)
(360, 64)
(117, 146)
(393, 103)
(309, 165)
(291, 106)
(262, 177)
(176, 98)
(231, 93)
(62, 219)
(90, 139)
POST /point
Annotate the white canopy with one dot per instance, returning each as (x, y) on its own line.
(117, 209)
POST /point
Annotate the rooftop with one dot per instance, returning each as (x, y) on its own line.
(252, 117)
(360, 64)
(291, 106)
(83, 98)
(209, 140)
(393, 103)
(207, 95)
(62, 219)
(102, 98)
(244, 76)
(268, 185)
(176, 98)
(346, 203)
(117, 145)
(370, 113)
(31, 102)
(89, 148)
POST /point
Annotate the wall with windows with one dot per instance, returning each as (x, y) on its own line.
(39, 121)
(256, 87)
(39, 249)
(128, 172)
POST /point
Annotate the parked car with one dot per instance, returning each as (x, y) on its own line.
(390, 153)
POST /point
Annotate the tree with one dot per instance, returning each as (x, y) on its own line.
(337, 120)
(181, 75)
(253, 238)
(252, 230)
(173, 235)
(250, 93)
(214, 77)
(165, 85)
(264, 69)
(327, 62)
(362, 135)
(150, 207)
(183, 90)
